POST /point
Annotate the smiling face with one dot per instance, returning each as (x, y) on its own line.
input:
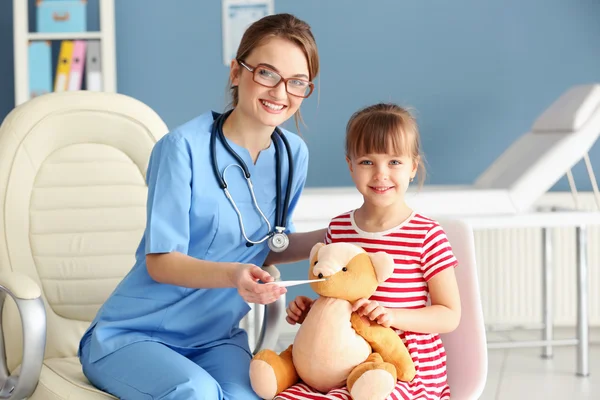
(383, 153)
(382, 179)
(264, 105)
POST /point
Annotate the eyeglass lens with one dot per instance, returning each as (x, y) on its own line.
(269, 78)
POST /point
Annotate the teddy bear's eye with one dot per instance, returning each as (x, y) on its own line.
(315, 263)
(344, 269)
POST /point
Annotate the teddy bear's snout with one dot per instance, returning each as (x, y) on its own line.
(325, 270)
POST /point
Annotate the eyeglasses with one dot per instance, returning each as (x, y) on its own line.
(267, 77)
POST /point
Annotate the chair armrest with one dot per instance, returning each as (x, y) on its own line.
(19, 286)
(27, 296)
(269, 333)
(274, 315)
(273, 271)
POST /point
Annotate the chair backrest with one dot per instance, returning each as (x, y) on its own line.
(466, 346)
(72, 205)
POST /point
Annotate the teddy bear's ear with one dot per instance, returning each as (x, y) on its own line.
(383, 264)
(314, 250)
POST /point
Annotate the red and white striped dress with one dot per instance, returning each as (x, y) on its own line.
(420, 250)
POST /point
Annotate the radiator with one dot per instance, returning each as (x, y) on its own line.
(510, 270)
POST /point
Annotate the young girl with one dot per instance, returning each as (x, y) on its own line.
(383, 155)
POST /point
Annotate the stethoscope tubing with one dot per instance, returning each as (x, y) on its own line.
(280, 210)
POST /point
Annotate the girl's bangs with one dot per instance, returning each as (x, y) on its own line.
(381, 134)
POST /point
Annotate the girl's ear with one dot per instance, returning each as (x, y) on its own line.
(349, 164)
(415, 166)
(234, 73)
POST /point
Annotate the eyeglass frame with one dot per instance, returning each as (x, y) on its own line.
(253, 70)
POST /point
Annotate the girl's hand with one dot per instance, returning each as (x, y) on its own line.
(298, 309)
(246, 278)
(372, 310)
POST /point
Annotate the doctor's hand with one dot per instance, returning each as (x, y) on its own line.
(246, 279)
(298, 309)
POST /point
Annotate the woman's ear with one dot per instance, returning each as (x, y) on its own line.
(234, 73)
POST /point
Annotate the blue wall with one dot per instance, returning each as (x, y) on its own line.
(478, 72)
(7, 92)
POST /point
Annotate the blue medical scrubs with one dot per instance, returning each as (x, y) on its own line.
(146, 328)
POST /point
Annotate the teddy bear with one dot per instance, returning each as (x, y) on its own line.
(334, 345)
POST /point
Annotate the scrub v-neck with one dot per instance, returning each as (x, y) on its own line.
(265, 154)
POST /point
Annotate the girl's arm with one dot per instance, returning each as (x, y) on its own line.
(298, 249)
(437, 263)
(441, 317)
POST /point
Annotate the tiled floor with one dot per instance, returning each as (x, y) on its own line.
(524, 374)
(516, 374)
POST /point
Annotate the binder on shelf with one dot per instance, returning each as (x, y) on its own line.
(93, 66)
(63, 66)
(40, 68)
(77, 65)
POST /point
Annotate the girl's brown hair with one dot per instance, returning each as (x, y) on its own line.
(382, 128)
(285, 26)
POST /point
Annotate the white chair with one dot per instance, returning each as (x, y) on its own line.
(466, 346)
(72, 212)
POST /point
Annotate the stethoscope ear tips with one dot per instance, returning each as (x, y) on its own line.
(248, 244)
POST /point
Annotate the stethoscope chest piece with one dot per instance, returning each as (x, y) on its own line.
(279, 241)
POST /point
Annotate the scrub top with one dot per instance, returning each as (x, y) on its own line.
(188, 212)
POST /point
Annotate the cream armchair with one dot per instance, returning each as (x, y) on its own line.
(72, 211)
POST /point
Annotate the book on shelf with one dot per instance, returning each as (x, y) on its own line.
(76, 66)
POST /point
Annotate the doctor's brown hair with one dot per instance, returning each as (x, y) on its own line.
(284, 26)
(385, 128)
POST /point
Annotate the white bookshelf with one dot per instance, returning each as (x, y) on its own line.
(22, 36)
(64, 36)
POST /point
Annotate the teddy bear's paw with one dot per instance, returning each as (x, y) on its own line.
(360, 323)
(263, 379)
(272, 373)
(375, 384)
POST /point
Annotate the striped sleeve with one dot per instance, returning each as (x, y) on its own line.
(436, 253)
(328, 239)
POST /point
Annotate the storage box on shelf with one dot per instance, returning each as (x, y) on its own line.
(54, 16)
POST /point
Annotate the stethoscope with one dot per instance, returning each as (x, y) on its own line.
(278, 241)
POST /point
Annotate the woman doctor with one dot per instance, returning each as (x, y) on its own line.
(170, 328)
